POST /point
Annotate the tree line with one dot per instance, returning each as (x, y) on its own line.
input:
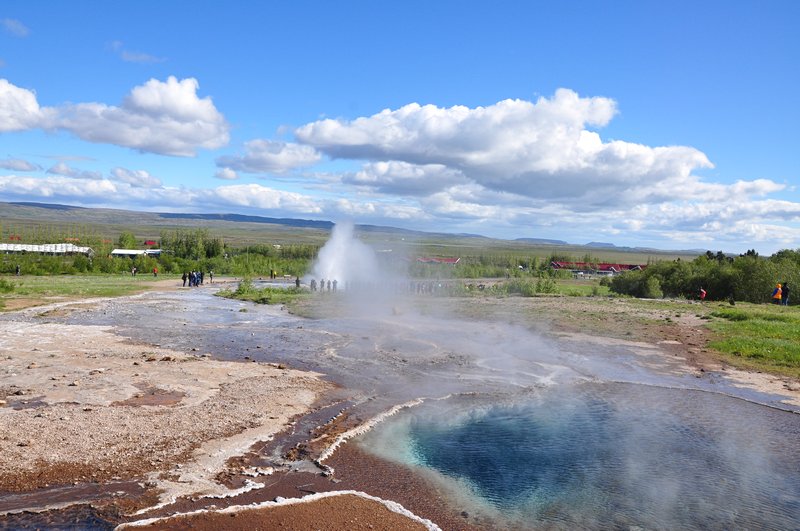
(747, 277)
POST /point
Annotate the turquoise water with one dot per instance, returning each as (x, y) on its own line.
(608, 456)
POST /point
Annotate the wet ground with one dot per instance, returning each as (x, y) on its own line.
(381, 354)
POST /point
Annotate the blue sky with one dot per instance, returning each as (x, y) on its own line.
(662, 124)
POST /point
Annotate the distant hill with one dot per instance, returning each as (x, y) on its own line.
(242, 229)
(542, 241)
(241, 218)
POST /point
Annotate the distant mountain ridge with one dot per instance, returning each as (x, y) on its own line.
(58, 213)
(544, 241)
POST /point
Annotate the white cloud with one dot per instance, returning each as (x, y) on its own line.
(65, 170)
(57, 188)
(262, 197)
(538, 150)
(402, 178)
(134, 57)
(19, 165)
(267, 156)
(136, 178)
(226, 174)
(158, 117)
(15, 27)
(19, 109)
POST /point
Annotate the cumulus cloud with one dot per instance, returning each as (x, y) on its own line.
(19, 109)
(136, 178)
(14, 27)
(66, 170)
(541, 149)
(18, 165)
(56, 188)
(158, 117)
(403, 178)
(226, 174)
(262, 197)
(268, 156)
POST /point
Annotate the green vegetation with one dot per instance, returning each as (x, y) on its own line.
(246, 291)
(747, 278)
(34, 290)
(761, 337)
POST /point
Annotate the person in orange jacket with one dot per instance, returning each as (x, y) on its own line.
(776, 294)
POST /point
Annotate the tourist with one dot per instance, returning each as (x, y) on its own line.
(211, 276)
(185, 277)
(297, 282)
(776, 294)
(335, 282)
(785, 294)
(17, 269)
(702, 294)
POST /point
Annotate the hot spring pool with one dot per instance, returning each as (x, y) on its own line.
(607, 456)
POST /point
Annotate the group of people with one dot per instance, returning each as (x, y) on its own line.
(780, 295)
(331, 285)
(196, 278)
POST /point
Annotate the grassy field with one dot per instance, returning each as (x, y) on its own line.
(26, 290)
(267, 295)
(761, 337)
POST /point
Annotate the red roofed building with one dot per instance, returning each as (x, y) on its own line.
(598, 269)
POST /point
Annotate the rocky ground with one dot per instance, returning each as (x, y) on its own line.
(82, 405)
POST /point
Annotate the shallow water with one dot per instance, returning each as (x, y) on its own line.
(607, 456)
(559, 433)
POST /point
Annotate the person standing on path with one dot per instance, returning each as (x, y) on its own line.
(785, 294)
(702, 294)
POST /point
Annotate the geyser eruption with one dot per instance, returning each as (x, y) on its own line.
(346, 259)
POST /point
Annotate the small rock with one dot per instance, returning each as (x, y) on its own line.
(32, 365)
(73, 384)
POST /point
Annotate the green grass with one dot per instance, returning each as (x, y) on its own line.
(37, 290)
(267, 295)
(759, 337)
